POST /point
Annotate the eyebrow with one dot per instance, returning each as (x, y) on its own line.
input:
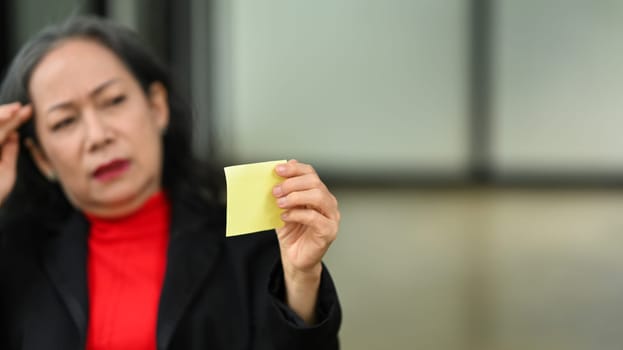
(95, 91)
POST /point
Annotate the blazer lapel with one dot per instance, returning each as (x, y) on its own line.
(196, 241)
(197, 237)
(64, 260)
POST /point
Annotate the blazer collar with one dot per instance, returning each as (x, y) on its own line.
(65, 259)
(196, 240)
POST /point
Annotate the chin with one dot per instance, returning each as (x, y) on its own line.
(123, 195)
(117, 198)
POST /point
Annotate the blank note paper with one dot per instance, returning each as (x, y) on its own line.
(251, 206)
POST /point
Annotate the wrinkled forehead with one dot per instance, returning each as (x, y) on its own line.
(73, 69)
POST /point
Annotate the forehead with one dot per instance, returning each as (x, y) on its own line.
(72, 69)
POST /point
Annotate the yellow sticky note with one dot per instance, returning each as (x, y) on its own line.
(251, 206)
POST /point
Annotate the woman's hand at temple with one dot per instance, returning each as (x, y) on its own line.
(311, 218)
(11, 117)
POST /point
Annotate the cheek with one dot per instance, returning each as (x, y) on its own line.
(136, 119)
(64, 155)
(144, 131)
(145, 140)
(149, 147)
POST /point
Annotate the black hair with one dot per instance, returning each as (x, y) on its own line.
(35, 197)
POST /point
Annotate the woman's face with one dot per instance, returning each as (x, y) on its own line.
(99, 132)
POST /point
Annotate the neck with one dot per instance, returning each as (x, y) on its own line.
(155, 201)
(149, 221)
(122, 207)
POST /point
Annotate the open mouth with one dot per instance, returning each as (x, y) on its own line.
(111, 169)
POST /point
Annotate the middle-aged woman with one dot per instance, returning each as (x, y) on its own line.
(109, 239)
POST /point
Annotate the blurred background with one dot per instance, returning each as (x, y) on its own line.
(474, 146)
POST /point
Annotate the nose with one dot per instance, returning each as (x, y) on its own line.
(98, 133)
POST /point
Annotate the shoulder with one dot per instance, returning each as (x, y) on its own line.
(20, 236)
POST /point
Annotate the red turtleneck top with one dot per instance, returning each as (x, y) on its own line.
(126, 266)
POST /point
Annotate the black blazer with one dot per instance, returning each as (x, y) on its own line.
(218, 293)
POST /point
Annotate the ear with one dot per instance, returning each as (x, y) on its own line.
(159, 102)
(41, 161)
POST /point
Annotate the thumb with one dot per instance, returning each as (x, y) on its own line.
(8, 154)
(8, 160)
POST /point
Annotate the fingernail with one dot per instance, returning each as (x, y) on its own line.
(25, 108)
(281, 202)
(281, 169)
(284, 215)
(277, 190)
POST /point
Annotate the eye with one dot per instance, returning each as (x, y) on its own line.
(116, 100)
(63, 123)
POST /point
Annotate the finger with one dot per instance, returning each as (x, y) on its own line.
(293, 168)
(14, 112)
(312, 219)
(315, 198)
(8, 154)
(298, 183)
(15, 120)
(26, 112)
(6, 111)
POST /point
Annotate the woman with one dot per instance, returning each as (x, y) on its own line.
(108, 239)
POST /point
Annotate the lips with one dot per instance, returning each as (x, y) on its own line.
(111, 170)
